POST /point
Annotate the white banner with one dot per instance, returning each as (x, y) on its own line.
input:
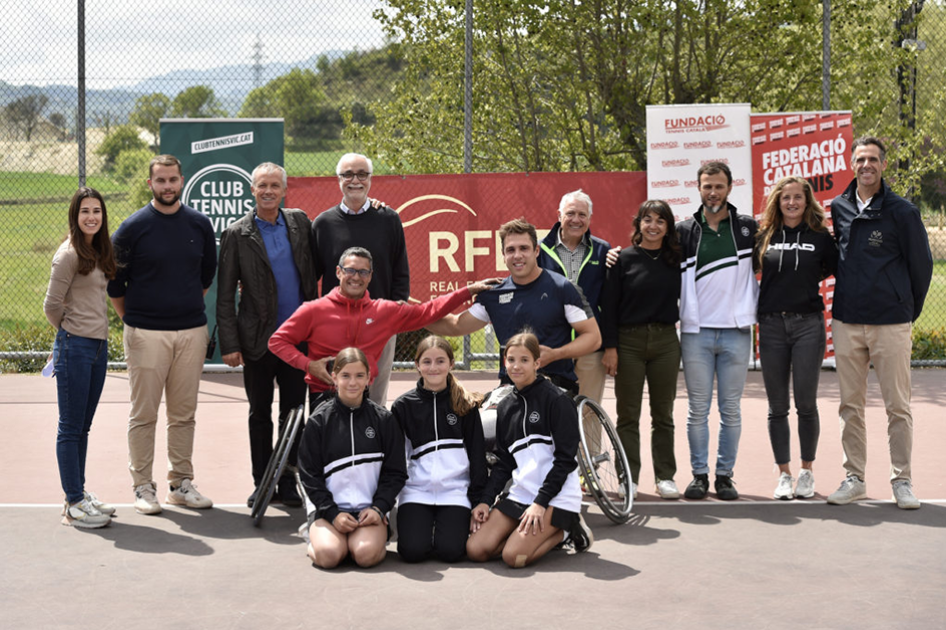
(680, 138)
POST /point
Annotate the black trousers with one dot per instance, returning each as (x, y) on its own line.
(258, 381)
(438, 531)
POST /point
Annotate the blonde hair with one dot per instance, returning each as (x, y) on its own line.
(771, 221)
(461, 400)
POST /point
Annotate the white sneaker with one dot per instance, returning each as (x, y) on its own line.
(667, 489)
(101, 506)
(146, 501)
(83, 514)
(783, 491)
(622, 493)
(851, 489)
(186, 495)
(805, 488)
(903, 494)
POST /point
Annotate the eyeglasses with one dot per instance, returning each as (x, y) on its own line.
(348, 176)
(364, 273)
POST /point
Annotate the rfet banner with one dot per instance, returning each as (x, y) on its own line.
(217, 158)
(681, 138)
(812, 145)
(451, 221)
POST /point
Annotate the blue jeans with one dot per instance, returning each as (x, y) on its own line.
(80, 365)
(723, 353)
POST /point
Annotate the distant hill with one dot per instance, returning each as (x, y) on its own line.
(230, 84)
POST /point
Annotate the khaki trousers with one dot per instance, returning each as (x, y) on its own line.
(591, 374)
(888, 347)
(168, 362)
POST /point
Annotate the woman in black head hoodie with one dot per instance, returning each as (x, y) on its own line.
(795, 252)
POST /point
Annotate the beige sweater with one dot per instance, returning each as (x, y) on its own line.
(74, 302)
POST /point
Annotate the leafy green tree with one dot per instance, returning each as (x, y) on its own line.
(123, 138)
(297, 97)
(148, 112)
(197, 101)
(25, 113)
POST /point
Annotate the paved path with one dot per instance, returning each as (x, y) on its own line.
(755, 563)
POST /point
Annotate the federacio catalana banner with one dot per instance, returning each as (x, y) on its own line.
(812, 145)
(451, 221)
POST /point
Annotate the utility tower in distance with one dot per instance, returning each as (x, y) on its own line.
(257, 58)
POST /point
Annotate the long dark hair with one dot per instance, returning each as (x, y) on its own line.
(671, 244)
(461, 400)
(99, 252)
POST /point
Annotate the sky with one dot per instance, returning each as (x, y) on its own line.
(129, 40)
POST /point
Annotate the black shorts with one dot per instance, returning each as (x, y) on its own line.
(562, 519)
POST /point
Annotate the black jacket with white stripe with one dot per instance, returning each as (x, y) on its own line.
(536, 443)
(351, 458)
(446, 452)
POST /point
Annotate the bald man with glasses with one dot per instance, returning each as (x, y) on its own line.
(361, 222)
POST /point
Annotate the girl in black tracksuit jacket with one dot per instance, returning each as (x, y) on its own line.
(536, 443)
(795, 252)
(446, 458)
(351, 463)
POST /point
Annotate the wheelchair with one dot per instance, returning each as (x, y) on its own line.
(278, 463)
(602, 463)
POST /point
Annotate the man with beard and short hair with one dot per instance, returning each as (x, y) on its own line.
(167, 256)
(267, 254)
(717, 310)
(534, 299)
(360, 222)
(884, 273)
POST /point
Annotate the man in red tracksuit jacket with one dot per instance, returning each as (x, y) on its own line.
(348, 317)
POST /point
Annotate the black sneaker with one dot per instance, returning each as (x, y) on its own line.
(252, 500)
(287, 492)
(698, 487)
(580, 537)
(724, 489)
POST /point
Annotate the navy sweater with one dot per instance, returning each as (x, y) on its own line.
(165, 261)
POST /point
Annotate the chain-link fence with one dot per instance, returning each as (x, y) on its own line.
(557, 86)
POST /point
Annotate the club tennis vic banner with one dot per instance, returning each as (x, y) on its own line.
(681, 138)
(217, 157)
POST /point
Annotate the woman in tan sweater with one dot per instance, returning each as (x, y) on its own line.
(76, 307)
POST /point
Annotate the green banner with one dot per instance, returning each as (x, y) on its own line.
(217, 157)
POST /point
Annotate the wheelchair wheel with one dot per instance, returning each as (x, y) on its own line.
(277, 464)
(603, 464)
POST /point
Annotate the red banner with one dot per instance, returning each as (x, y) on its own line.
(451, 221)
(813, 145)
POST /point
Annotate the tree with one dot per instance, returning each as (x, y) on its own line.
(197, 101)
(123, 139)
(148, 112)
(298, 98)
(25, 112)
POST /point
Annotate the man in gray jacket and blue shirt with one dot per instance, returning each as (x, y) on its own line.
(884, 273)
(267, 255)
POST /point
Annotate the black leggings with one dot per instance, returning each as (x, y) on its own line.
(438, 531)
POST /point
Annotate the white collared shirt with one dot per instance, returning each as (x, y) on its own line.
(861, 204)
(348, 210)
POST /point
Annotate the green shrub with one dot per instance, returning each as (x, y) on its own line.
(929, 344)
(40, 338)
(122, 139)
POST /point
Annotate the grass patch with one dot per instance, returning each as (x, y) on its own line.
(933, 316)
(20, 187)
